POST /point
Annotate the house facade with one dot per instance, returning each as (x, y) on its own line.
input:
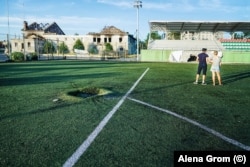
(35, 35)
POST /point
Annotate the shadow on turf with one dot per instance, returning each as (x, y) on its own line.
(36, 111)
(235, 77)
(51, 79)
(12, 73)
(226, 79)
(61, 104)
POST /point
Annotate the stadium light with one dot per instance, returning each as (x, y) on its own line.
(137, 4)
(8, 35)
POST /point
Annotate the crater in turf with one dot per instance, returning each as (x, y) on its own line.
(89, 92)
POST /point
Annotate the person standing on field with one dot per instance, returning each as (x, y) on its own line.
(215, 68)
(202, 59)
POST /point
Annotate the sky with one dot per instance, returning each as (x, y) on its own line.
(84, 16)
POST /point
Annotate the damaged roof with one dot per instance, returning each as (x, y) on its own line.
(109, 30)
(47, 28)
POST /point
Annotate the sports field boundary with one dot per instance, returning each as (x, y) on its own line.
(209, 130)
(84, 146)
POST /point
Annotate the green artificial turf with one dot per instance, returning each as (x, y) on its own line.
(41, 124)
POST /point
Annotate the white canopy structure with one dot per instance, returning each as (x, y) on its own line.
(194, 35)
(197, 26)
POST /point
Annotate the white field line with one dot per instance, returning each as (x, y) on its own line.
(84, 146)
(209, 130)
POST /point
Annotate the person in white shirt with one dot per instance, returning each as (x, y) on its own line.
(215, 68)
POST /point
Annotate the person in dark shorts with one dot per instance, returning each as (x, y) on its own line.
(203, 59)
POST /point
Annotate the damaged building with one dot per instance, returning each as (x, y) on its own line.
(35, 35)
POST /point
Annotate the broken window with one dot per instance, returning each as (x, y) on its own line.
(98, 40)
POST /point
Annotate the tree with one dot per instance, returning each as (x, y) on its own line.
(143, 45)
(78, 45)
(63, 48)
(108, 47)
(17, 56)
(174, 35)
(247, 34)
(48, 47)
(238, 35)
(92, 49)
(154, 35)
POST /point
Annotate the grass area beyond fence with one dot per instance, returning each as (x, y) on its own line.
(45, 115)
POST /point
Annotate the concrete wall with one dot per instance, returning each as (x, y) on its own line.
(17, 45)
(236, 57)
(163, 56)
(155, 55)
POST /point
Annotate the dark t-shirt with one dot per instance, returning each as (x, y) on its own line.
(202, 59)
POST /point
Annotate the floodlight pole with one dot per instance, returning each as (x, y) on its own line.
(8, 36)
(137, 4)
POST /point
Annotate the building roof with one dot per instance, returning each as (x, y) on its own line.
(109, 30)
(196, 26)
(47, 28)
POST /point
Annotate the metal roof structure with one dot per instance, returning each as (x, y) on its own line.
(47, 28)
(198, 26)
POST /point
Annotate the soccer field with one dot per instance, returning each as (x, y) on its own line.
(150, 110)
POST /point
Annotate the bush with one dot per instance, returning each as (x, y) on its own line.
(92, 49)
(108, 47)
(78, 45)
(49, 47)
(33, 56)
(63, 48)
(17, 56)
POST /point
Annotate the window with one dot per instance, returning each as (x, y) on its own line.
(105, 40)
(109, 40)
(22, 46)
(98, 40)
(94, 39)
(28, 44)
(16, 44)
(120, 39)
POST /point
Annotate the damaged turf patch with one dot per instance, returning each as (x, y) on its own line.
(89, 92)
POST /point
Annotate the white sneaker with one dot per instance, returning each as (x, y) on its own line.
(195, 83)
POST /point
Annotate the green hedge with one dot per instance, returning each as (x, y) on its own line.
(17, 56)
(33, 56)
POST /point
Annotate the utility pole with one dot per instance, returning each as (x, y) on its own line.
(8, 36)
(25, 58)
(37, 42)
(137, 4)
(24, 47)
